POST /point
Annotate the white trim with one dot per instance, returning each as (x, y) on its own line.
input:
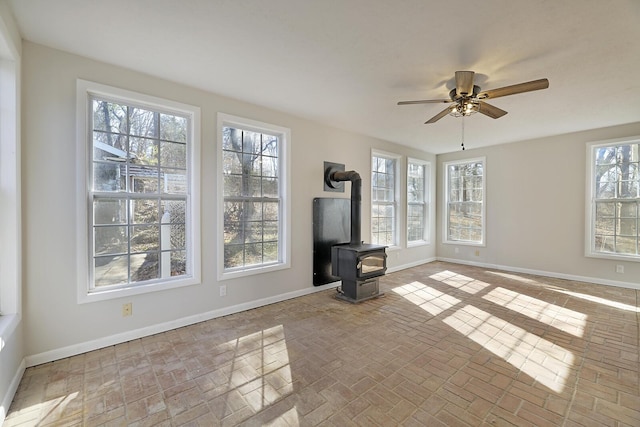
(10, 181)
(544, 273)
(445, 207)
(589, 213)
(85, 89)
(11, 391)
(72, 350)
(284, 178)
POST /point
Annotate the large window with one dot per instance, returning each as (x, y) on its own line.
(384, 203)
(141, 200)
(464, 202)
(253, 176)
(417, 202)
(614, 199)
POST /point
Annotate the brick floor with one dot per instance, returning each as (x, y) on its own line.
(448, 345)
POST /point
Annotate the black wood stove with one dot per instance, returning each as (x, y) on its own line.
(357, 264)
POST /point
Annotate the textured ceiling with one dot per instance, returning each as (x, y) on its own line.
(346, 63)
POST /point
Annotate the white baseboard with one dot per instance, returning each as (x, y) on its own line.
(72, 350)
(11, 391)
(586, 279)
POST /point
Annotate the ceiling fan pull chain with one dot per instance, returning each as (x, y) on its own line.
(462, 133)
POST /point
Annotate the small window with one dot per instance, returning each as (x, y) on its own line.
(142, 210)
(253, 177)
(384, 199)
(417, 202)
(614, 205)
(464, 202)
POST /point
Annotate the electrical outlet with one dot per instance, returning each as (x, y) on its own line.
(456, 250)
(477, 253)
(620, 268)
(223, 290)
(127, 309)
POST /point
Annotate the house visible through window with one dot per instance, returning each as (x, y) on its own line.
(254, 205)
(384, 205)
(417, 201)
(141, 207)
(615, 200)
(464, 206)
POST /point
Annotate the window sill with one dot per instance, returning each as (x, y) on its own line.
(464, 243)
(252, 271)
(417, 243)
(8, 324)
(613, 257)
(108, 294)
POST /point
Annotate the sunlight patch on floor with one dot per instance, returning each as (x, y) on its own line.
(560, 318)
(260, 369)
(542, 360)
(599, 300)
(427, 298)
(460, 281)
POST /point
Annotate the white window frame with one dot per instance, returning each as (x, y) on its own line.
(426, 202)
(397, 159)
(284, 178)
(590, 200)
(10, 196)
(445, 222)
(84, 91)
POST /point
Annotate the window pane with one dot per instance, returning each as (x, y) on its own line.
(145, 211)
(145, 238)
(145, 183)
(109, 146)
(144, 267)
(143, 122)
(231, 163)
(174, 181)
(173, 155)
(144, 150)
(108, 177)
(109, 211)
(250, 174)
(110, 240)
(109, 117)
(110, 270)
(178, 263)
(138, 151)
(173, 128)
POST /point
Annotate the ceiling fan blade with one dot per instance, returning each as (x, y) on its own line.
(426, 101)
(438, 116)
(514, 89)
(490, 110)
(464, 82)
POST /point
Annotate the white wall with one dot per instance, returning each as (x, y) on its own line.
(535, 205)
(55, 325)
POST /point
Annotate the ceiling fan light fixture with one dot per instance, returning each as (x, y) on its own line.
(464, 108)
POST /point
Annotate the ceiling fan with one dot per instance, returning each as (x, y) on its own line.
(467, 98)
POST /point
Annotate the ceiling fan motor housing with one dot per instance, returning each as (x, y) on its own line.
(454, 95)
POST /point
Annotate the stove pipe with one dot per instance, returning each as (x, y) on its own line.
(356, 201)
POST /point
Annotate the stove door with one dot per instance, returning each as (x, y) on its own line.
(372, 264)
